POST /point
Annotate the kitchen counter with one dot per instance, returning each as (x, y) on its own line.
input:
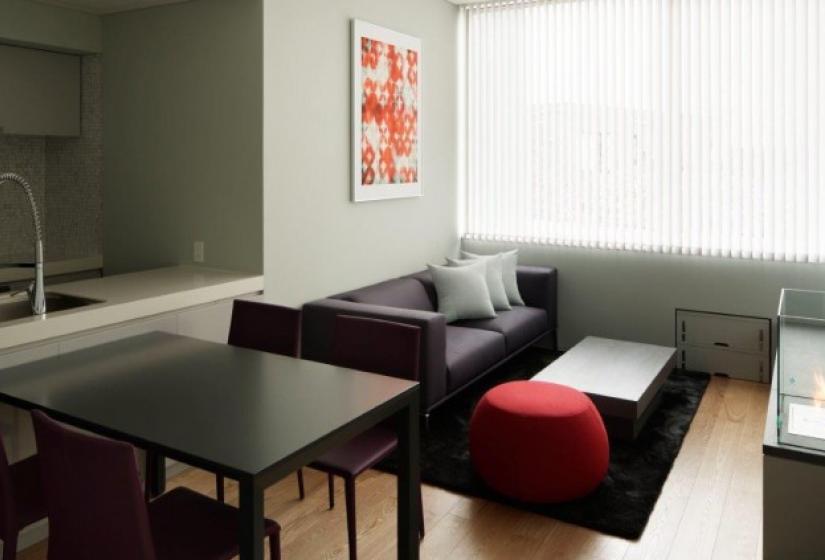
(127, 297)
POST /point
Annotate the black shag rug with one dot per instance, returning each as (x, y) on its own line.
(622, 504)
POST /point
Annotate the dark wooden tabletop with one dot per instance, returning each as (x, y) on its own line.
(239, 410)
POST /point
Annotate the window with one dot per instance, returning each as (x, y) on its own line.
(676, 126)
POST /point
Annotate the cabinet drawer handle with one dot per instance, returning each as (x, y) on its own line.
(722, 344)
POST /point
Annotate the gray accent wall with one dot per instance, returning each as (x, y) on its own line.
(633, 296)
(74, 176)
(317, 242)
(183, 128)
(65, 174)
(34, 24)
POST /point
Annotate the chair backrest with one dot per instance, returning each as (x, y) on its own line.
(407, 293)
(93, 496)
(377, 346)
(265, 327)
(8, 507)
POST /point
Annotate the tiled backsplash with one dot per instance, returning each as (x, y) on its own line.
(66, 175)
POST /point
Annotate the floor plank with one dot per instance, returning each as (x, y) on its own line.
(663, 525)
(743, 503)
(699, 525)
(710, 506)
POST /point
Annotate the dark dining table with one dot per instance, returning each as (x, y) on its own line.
(251, 416)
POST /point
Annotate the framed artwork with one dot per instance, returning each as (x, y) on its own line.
(386, 113)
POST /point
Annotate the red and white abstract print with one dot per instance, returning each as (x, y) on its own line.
(389, 113)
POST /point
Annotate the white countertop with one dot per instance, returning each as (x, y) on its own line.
(127, 297)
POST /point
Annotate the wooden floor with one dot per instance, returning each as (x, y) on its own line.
(711, 505)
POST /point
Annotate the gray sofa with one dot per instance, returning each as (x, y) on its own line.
(452, 356)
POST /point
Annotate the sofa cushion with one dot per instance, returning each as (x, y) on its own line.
(426, 279)
(470, 352)
(519, 325)
(493, 276)
(509, 274)
(462, 291)
(406, 293)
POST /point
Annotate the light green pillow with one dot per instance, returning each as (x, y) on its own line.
(462, 291)
(495, 284)
(509, 262)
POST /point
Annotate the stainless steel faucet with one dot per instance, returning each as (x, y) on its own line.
(37, 295)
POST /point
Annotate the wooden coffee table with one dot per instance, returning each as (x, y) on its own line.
(624, 379)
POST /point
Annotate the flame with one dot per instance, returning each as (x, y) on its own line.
(819, 390)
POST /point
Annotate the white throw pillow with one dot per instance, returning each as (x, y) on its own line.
(509, 262)
(462, 291)
(495, 284)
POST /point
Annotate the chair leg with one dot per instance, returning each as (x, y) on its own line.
(301, 493)
(421, 513)
(331, 485)
(10, 547)
(219, 487)
(147, 479)
(275, 546)
(351, 534)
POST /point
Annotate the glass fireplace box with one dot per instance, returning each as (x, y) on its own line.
(801, 369)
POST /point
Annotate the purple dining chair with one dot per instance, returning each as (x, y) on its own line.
(375, 346)
(265, 327)
(268, 328)
(96, 508)
(21, 499)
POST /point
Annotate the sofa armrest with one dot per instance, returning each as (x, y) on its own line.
(538, 285)
(318, 330)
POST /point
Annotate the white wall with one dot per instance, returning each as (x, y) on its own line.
(316, 242)
(633, 296)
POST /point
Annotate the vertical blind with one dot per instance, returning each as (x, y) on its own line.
(676, 126)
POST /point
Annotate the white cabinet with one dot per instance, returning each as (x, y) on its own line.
(40, 93)
(15, 426)
(207, 322)
(732, 345)
(740, 365)
(165, 323)
(745, 334)
(19, 357)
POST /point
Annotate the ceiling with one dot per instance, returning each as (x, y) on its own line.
(102, 7)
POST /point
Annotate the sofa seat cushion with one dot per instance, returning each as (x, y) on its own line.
(471, 352)
(519, 325)
(406, 293)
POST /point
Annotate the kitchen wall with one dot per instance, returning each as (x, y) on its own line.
(29, 23)
(183, 130)
(65, 174)
(317, 242)
(632, 296)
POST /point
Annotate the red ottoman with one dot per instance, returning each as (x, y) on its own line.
(539, 442)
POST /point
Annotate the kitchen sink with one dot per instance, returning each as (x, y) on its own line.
(18, 307)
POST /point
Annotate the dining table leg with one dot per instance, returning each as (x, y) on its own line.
(251, 505)
(156, 473)
(409, 480)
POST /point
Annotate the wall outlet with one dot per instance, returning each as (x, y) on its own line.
(199, 252)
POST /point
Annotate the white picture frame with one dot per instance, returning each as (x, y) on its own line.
(399, 173)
